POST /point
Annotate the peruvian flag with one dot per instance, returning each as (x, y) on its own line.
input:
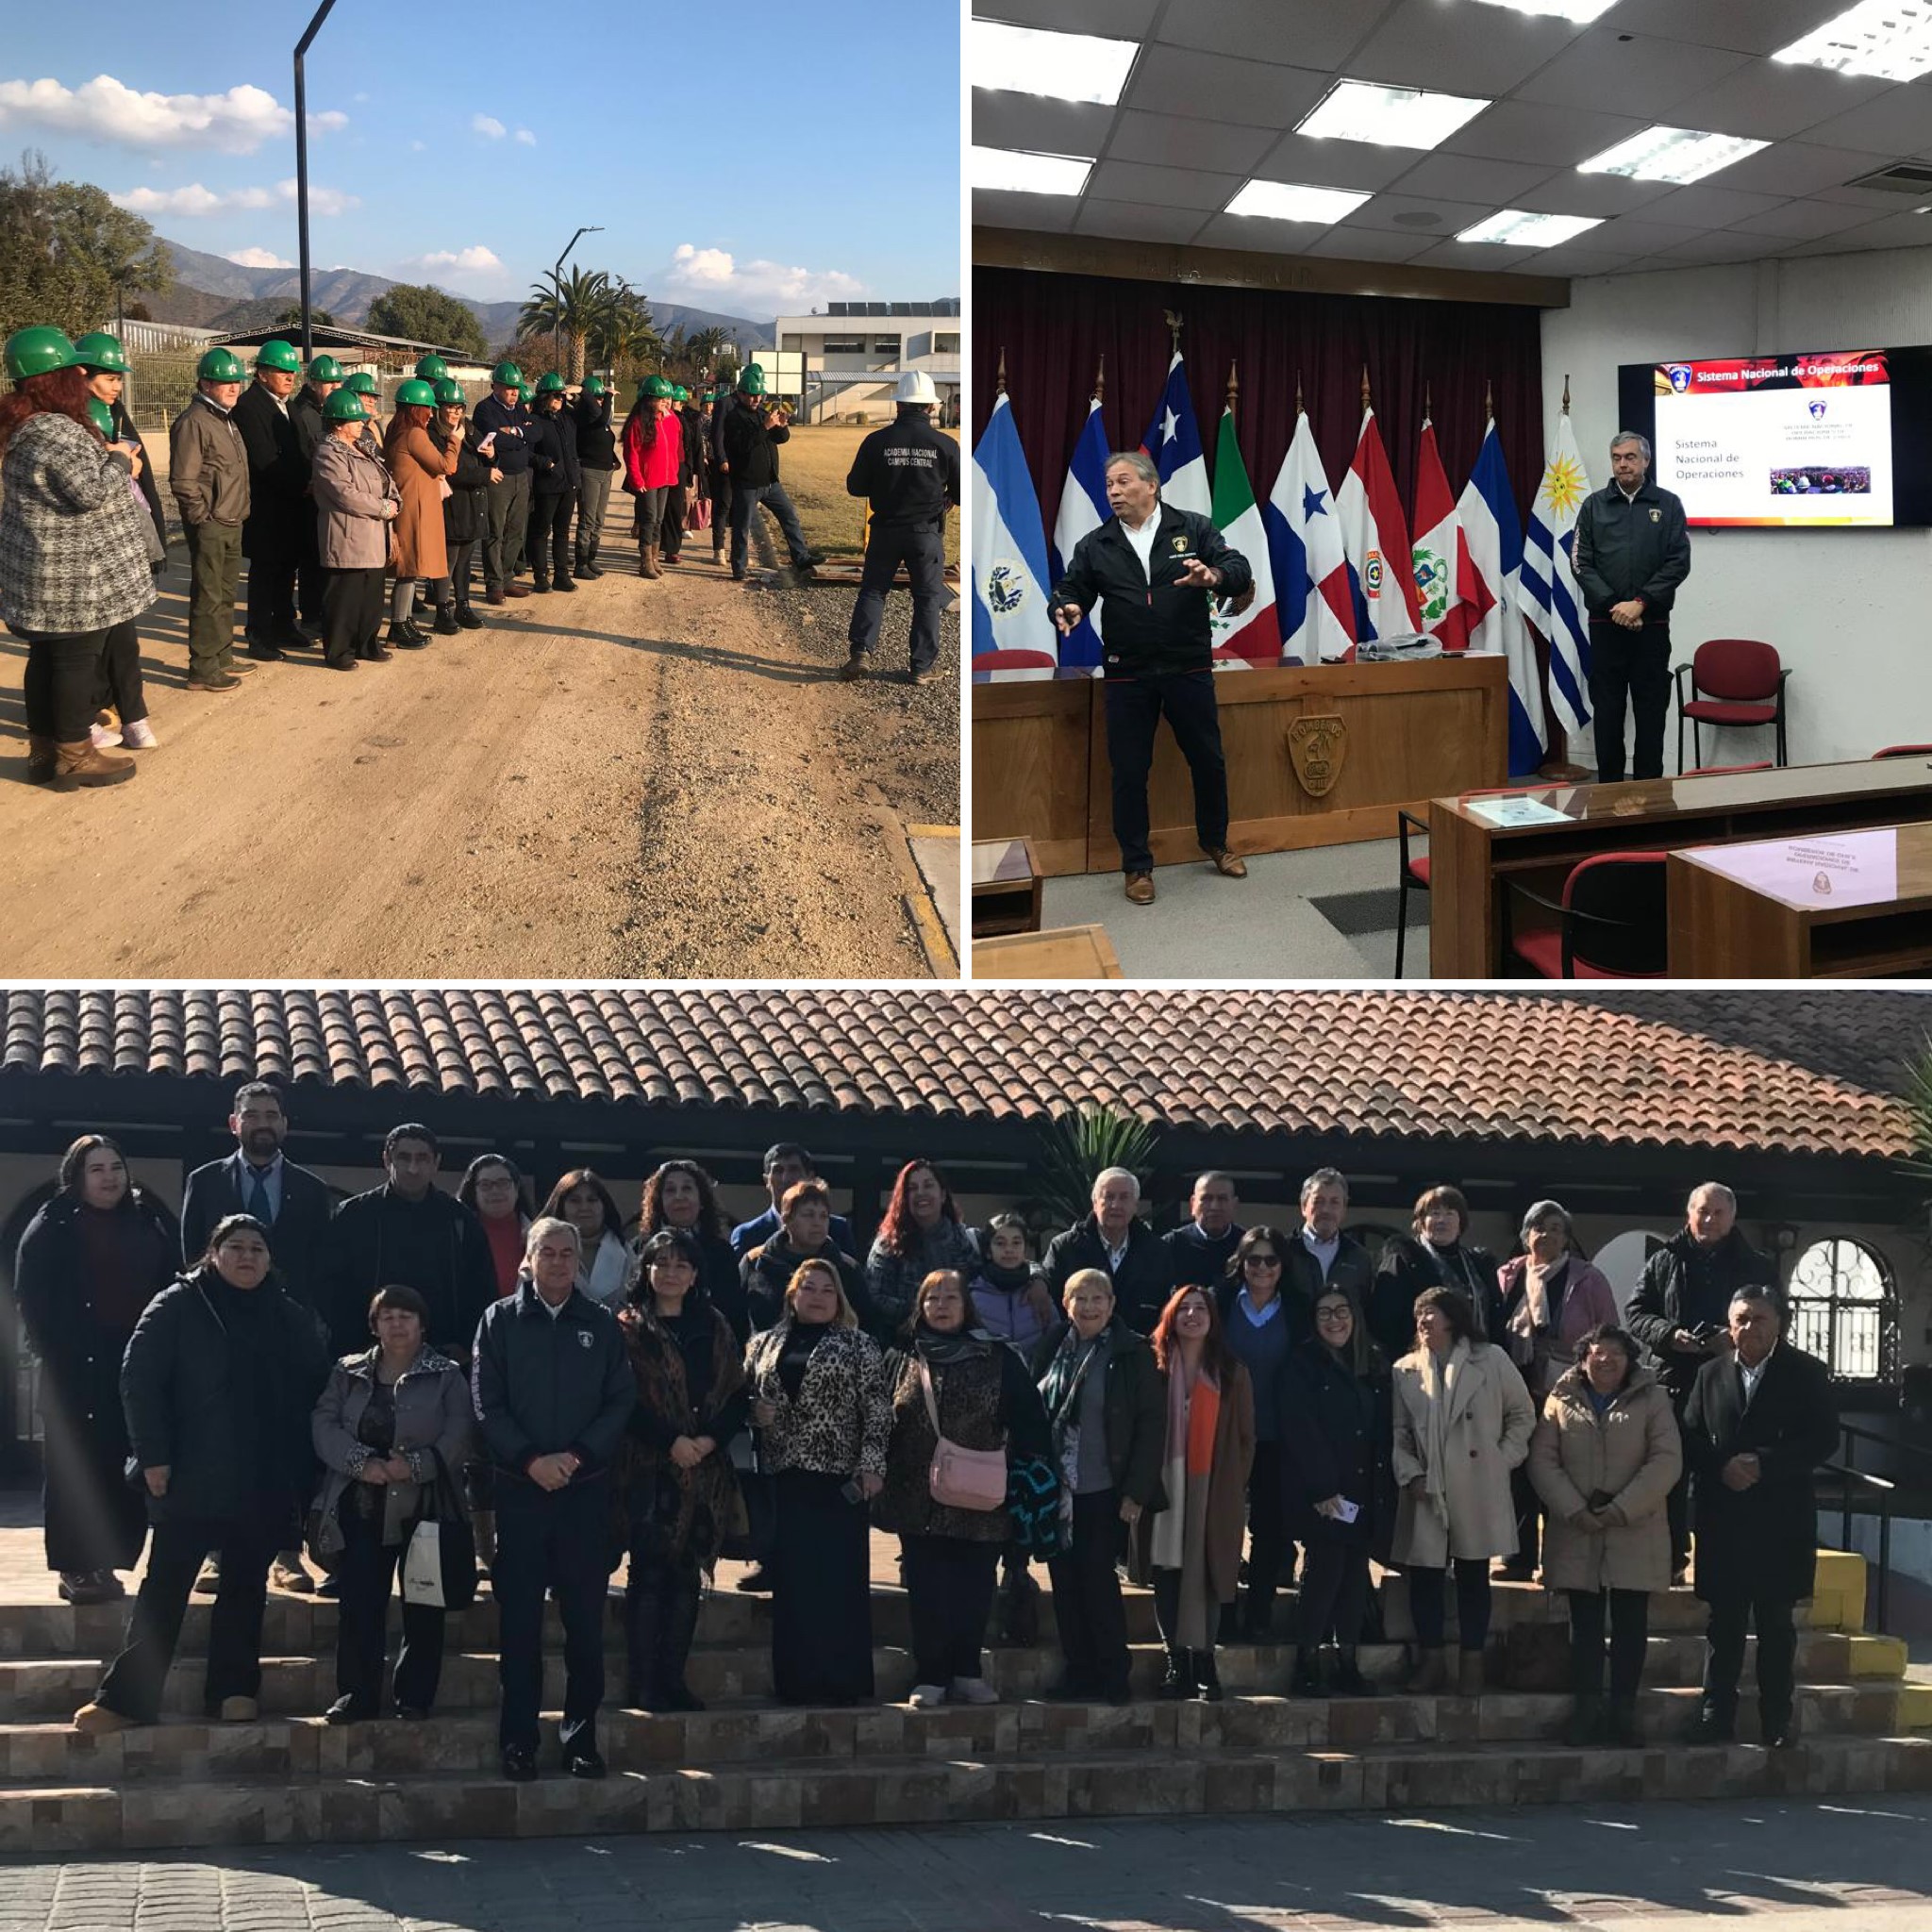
(1436, 550)
(1375, 535)
(1254, 636)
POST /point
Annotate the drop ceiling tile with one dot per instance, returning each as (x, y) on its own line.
(1639, 234)
(1877, 201)
(1369, 244)
(1383, 210)
(1768, 102)
(1567, 193)
(1118, 19)
(1603, 65)
(1902, 230)
(1898, 123)
(1171, 140)
(1803, 220)
(1357, 164)
(1799, 167)
(1164, 187)
(999, 208)
(1470, 177)
(1217, 87)
(1482, 255)
(1706, 204)
(1305, 33)
(1425, 43)
(1519, 130)
(1580, 260)
(1747, 27)
(1137, 221)
(1253, 235)
(1047, 127)
(1719, 245)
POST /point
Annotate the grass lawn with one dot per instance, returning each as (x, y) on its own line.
(813, 467)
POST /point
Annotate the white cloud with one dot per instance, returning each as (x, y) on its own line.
(104, 109)
(525, 137)
(194, 200)
(258, 257)
(359, 99)
(417, 147)
(474, 264)
(712, 278)
(487, 126)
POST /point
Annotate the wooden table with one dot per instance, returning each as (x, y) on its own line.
(1471, 858)
(1005, 888)
(1408, 731)
(1795, 913)
(1064, 952)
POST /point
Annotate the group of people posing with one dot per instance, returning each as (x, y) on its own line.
(554, 1395)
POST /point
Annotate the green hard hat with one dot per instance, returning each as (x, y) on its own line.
(345, 406)
(751, 380)
(324, 369)
(38, 352)
(278, 356)
(416, 394)
(679, 394)
(448, 390)
(654, 385)
(102, 351)
(593, 384)
(550, 384)
(101, 417)
(363, 384)
(431, 368)
(222, 365)
(506, 376)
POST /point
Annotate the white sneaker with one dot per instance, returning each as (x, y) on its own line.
(105, 738)
(140, 736)
(974, 1690)
(928, 1696)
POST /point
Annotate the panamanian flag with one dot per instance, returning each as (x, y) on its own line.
(1082, 509)
(1254, 636)
(1306, 557)
(1013, 635)
(1173, 440)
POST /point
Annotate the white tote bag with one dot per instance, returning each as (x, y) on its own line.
(423, 1566)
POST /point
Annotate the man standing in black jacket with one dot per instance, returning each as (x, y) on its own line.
(1114, 1240)
(553, 1389)
(751, 439)
(1153, 571)
(910, 475)
(554, 475)
(409, 1232)
(1199, 1250)
(277, 501)
(502, 439)
(1632, 549)
(597, 460)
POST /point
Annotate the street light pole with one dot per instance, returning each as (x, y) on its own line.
(322, 13)
(556, 291)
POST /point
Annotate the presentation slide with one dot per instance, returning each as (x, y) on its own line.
(1783, 441)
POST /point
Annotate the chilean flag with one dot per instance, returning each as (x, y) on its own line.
(1375, 536)
(1312, 588)
(1173, 440)
(1491, 549)
(1082, 509)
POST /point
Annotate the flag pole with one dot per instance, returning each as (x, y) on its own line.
(1234, 388)
(1100, 379)
(1428, 401)
(1566, 392)
(1298, 410)
(1365, 388)
(1173, 327)
(999, 387)
(1489, 401)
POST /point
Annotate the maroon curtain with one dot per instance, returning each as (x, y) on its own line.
(1052, 328)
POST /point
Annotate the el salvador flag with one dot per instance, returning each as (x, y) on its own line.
(1173, 440)
(1012, 633)
(1083, 508)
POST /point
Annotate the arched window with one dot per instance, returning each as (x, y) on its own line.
(1623, 1257)
(1844, 1310)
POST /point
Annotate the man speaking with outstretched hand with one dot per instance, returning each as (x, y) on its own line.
(1155, 571)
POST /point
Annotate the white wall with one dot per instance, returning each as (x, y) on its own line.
(1848, 610)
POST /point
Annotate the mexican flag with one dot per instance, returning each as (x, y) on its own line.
(1254, 636)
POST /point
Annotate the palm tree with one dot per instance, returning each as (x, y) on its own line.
(706, 345)
(565, 306)
(620, 331)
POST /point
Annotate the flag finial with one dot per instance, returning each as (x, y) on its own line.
(999, 387)
(1428, 400)
(1489, 400)
(1298, 410)
(1566, 392)
(1173, 327)
(1100, 379)
(1365, 385)
(1234, 384)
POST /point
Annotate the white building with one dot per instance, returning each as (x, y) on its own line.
(853, 354)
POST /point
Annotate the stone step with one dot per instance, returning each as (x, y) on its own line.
(305, 1747)
(55, 1687)
(152, 1815)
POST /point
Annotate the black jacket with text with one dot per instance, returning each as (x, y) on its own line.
(909, 472)
(1639, 548)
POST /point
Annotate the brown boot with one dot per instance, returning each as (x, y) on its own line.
(1430, 1677)
(651, 569)
(41, 760)
(80, 764)
(1469, 1678)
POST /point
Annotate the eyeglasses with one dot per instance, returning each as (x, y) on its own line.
(1334, 1315)
(1261, 1260)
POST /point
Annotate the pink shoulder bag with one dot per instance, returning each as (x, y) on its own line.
(962, 1479)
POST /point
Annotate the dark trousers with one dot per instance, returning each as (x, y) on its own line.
(94, 1519)
(308, 575)
(1087, 1597)
(1629, 1623)
(60, 688)
(215, 562)
(820, 1573)
(1133, 709)
(744, 503)
(949, 1585)
(553, 1540)
(1723, 1654)
(507, 505)
(1678, 1504)
(550, 536)
(924, 552)
(350, 610)
(455, 587)
(247, 1546)
(720, 507)
(1428, 1604)
(1335, 1595)
(670, 531)
(1632, 666)
(648, 515)
(1529, 1517)
(367, 1575)
(661, 1597)
(273, 554)
(121, 673)
(593, 501)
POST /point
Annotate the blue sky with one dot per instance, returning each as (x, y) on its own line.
(821, 161)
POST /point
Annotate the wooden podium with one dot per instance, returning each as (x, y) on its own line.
(1317, 756)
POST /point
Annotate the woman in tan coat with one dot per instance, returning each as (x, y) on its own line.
(1604, 1459)
(422, 472)
(1463, 1422)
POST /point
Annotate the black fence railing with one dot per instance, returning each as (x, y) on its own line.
(1864, 1492)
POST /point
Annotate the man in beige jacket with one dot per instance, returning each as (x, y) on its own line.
(209, 474)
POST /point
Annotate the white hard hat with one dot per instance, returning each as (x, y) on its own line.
(915, 386)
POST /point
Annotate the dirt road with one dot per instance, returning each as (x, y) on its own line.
(639, 780)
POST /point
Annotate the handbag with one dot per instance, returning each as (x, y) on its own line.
(440, 1561)
(962, 1479)
(697, 515)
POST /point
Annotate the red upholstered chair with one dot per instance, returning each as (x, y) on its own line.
(1905, 751)
(1733, 681)
(1612, 921)
(1413, 877)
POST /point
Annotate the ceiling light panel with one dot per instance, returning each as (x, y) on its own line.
(1671, 154)
(1061, 67)
(1389, 116)
(1286, 201)
(1523, 229)
(1889, 40)
(1581, 11)
(1027, 173)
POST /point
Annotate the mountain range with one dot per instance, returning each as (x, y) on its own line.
(211, 291)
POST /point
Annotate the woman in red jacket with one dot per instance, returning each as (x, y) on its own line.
(653, 452)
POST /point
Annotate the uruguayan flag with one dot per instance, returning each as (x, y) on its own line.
(1012, 632)
(1549, 595)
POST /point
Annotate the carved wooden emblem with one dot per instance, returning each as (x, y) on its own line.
(1316, 747)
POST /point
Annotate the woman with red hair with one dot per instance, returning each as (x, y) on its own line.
(1192, 1550)
(75, 549)
(921, 1234)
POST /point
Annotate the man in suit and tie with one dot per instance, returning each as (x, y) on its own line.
(787, 1163)
(1758, 1422)
(294, 1205)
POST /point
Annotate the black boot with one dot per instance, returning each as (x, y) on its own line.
(1179, 1680)
(1307, 1681)
(674, 1635)
(644, 1607)
(466, 617)
(405, 636)
(446, 625)
(1207, 1678)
